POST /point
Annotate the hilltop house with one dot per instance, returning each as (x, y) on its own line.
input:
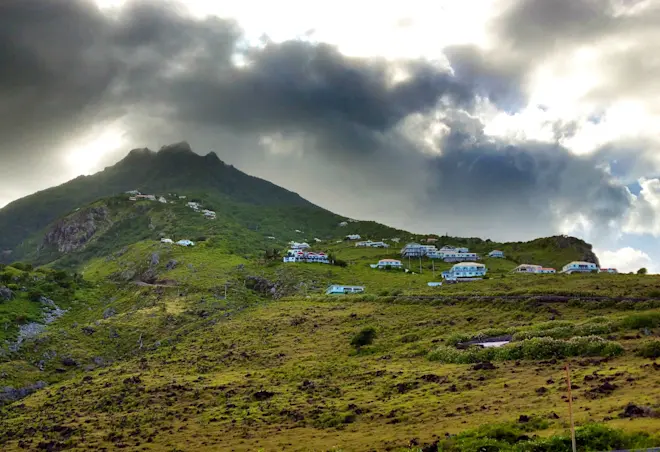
(185, 243)
(162, 199)
(465, 270)
(337, 289)
(149, 197)
(296, 255)
(166, 241)
(370, 244)
(194, 205)
(609, 270)
(580, 267)
(527, 268)
(385, 263)
(430, 240)
(353, 237)
(413, 250)
(496, 253)
(132, 192)
(209, 214)
(453, 256)
(298, 246)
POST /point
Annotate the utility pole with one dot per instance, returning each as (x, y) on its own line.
(570, 408)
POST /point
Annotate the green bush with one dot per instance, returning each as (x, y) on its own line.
(34, 295)
(649, 349)
(511, 437)
(637, 321)
(366, 336)
(532, 349)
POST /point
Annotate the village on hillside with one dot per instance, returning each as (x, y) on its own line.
(468, 266)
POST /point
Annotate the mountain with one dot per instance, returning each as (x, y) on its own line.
(174, 168)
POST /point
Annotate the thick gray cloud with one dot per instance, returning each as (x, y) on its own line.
(336, 129)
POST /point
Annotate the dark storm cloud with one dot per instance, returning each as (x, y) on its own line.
(338, 118)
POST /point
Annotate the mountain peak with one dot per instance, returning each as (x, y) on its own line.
(182, 147)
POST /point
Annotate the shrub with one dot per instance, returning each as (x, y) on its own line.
(34, 295)
(637, 321)
(532, 349)
(649, 349)
(366, 336)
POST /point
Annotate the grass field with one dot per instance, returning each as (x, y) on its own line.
(283, 376)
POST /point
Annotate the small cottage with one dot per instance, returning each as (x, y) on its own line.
(338, 289)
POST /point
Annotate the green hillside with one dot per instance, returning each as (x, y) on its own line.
(112, 339)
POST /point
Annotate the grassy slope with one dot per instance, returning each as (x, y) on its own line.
(203, 392)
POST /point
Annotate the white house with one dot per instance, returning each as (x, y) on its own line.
(379, 245)
(149, 197)
(385, 263)
(453, 256)
(343, 223)
(527, 268)
(363, 243)
(193, 205)
(166, 241)
(496, 253)
(162, 199)
(185, 243)
(609, 270)
(416, 250)
(532, 268)
(465, 270)
(317, 240)
(132, 198)
(210, 215)
(579, 267)
(395, 239)
(298, 231)
(336, 289)
(434, 284)
(270, 237)
(182, 197)
(133, 192)
(298, 246)
(305, 256)
(353, 237)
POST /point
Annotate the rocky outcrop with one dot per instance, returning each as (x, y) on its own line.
(6, 294)
(9, 394)
(565, 241)
(75, 231)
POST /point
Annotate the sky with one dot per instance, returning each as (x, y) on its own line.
(501, 119)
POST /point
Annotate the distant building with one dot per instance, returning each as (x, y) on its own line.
(384, 263)
(609, 270)
(133, 192)
(343, 223)
(149, 197)
(531, 268)
(317, 240)
(430, 240)
(434, 284)
(194, 205)
(527, 268)
(298, 246)
(182, 197)
(185, 243)
(580, 267)
(297, 255)
(162, 199)
(465, 270)
(166, 241)
(353, 237)
(414, 250)
(270, 237)
(370, 244)
(337, 289)
(132, 198)
(496, 253)
(453, 256)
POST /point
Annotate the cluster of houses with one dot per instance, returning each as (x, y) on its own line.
(135, 195)
(447, 253)
(299, 252)
(184, 242)
(197, 207)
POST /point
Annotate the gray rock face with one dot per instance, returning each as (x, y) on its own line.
(73, 233)
(9, 394)
(51, 312)
(6, 294)
(109, 312)
(171, 265)
(155, 259)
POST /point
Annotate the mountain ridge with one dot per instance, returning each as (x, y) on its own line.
(173, 167)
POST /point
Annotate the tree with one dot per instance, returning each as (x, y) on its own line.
(366, 336)
(642, 271)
